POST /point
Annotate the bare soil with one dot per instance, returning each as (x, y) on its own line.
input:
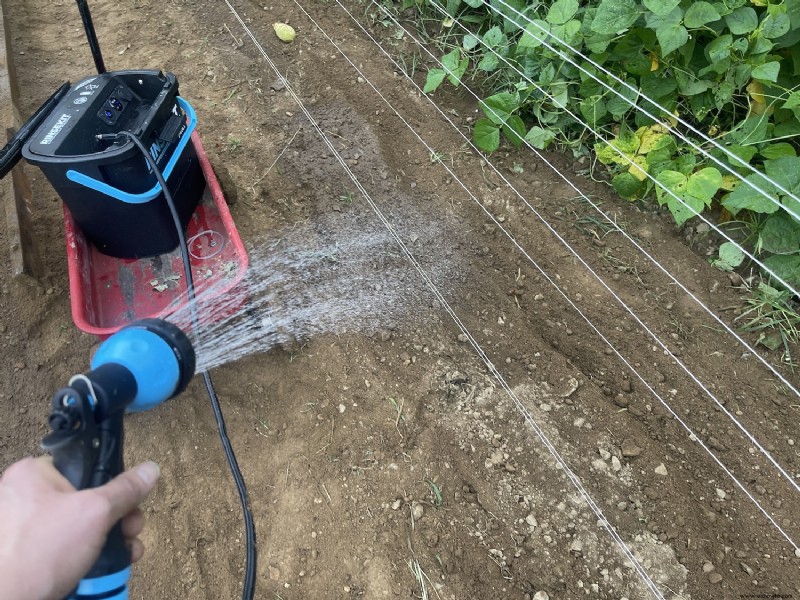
(374, 453)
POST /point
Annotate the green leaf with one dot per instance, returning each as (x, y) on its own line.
(514, 130)
(562, 11)
(627, 186)
(775, 25)
(489, 62)
(434, 80)
(618, 104)
(745, 197)
(547, 74)
(661, 7)
(536, 32)
(752, 130)
(539, 138)
(568, 33)
(454, 66)
(793, 103)
(593, 110)
(627, 142)
(720, 48)
(689, 85)
(774, 151)
(498, 108)
(746, 153)
(685, 163)
(486, 135)
(780, 234)
(785, 266)
(657, 86)
(599, 43)
(493, 37)
(742, 21)
(470, 41)
(682, 204)
(704, 184)
(609, 154)
(614, 16)
(509, 9)
(452, 7)
(560, 94)
(785, 171)
(700, 13)
(730, 257)
(474, 3)
(767, 72)
(671, 37)
(673, 181)
(684, 209)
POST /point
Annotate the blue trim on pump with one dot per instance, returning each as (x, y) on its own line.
(117, 194)
(104, 585)
(150, 360)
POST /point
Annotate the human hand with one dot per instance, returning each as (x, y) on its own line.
(51, 535)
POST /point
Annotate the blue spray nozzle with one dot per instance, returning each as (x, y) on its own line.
(158, 355)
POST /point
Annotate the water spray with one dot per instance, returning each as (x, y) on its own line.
(135, 370)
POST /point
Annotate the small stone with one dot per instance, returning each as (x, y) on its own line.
(708, 567)
(531, 520)
(274, 573)
(661, 470)
(797, 552)
(545, 407)
(747, 568)
(462, 337)
(397, 504)
(626, 386)
(541, 596)
(576, 546)
(342, 408)
(721, 494)
(621, 401)
(417, 511)
(714, 577)
(716, 444)
(630, 450)
(615, 464)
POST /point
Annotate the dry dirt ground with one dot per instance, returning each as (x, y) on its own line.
(387, 461)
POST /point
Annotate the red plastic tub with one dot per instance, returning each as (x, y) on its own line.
(107, 293)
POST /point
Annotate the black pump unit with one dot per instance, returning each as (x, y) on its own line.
(106, 182)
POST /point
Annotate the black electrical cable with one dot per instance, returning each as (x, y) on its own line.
(250, 530)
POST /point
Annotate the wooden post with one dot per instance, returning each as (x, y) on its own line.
(15, 189)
